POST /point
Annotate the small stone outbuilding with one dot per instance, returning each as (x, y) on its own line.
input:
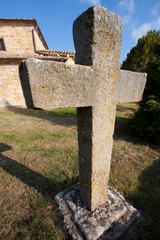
(21, 39)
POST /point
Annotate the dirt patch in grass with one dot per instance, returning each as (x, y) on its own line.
(39, 157)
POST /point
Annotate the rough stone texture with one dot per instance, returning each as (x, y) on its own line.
(57, 85)
(130, 86)
(94, 89)
(98, 33)
(109, 221)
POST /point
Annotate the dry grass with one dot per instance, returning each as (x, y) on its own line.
(38, 158)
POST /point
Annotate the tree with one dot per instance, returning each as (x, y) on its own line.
(147, 49)
(145, 57)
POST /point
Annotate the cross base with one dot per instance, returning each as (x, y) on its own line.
(109, 221)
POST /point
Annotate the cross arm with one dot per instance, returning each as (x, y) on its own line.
(130, 86)
(50, 85)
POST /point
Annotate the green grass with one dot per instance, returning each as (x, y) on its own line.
(39, 158)
(66, 112)
(3, 112)
(11, 138)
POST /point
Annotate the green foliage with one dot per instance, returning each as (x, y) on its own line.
(146, 50)
(153, 80)
(145, 57)
(145, 122)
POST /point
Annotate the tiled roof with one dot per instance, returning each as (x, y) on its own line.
(56, 55)
(18, 19)
(20, 57)
(51, 58)
(56, 52)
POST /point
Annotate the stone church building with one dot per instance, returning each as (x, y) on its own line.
(21, 39)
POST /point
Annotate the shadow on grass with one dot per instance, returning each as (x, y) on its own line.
(121, 128)
(42, 184)
(149, 190)
(147, 199)
(122, 131)
(67, 117)
(64, 117)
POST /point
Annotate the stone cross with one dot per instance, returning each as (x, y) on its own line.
(94, 89)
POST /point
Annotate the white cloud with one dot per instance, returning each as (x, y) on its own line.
(128, 4)
(154, 10)
(156, 24)
(142, 30)
(126, 19)
(93, 2)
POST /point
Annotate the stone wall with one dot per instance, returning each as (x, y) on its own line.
(17, 37)
(20, 39)
(38, 43)
(10, 87)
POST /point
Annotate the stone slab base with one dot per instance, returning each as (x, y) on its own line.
(110, 221)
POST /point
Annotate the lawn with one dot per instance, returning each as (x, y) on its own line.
(38, 158)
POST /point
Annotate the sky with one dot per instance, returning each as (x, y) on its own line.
(55, 18)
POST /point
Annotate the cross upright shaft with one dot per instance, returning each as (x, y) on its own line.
(94, 89)
(100, 40)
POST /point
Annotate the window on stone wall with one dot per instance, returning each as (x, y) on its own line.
(2, 46)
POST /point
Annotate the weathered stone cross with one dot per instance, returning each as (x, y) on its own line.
(94, 90)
